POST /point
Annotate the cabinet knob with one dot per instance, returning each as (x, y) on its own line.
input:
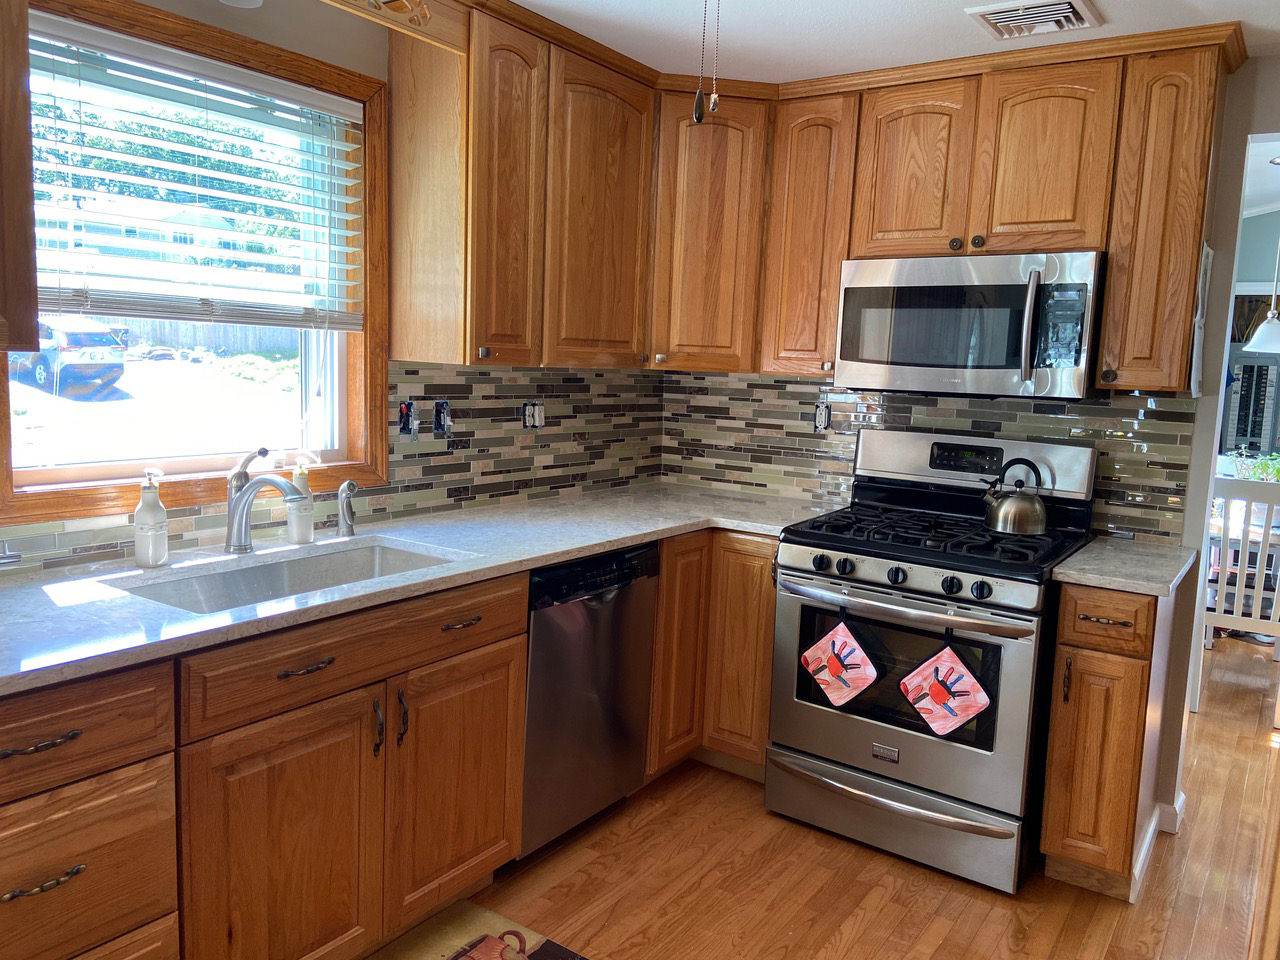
(828, 366)
(1109, 376)
(483, 353)
(659, 358)
(955, 243)
(644, 358)
(978, 241)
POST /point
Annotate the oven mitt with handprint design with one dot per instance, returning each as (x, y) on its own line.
(839, 665)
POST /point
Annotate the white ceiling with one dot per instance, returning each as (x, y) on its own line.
(779, 40)
(1261, 176)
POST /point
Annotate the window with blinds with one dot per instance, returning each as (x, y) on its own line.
(171, 186)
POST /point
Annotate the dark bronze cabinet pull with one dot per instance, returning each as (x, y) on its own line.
(404, 718)
(1106, 622)
(42, 746)
(304, 671)
(1066, 682)
(462, 624)
(45, 887)
(381, 735)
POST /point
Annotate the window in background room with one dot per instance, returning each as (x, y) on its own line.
(199, 258)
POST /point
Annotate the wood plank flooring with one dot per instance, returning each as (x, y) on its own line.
(693, 867)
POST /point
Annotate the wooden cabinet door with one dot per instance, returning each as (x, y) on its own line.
(679, 649)
(915, 152)
(599, 170)
(456, 754)
(709, 220)
(810, 195)
(155, 941)
(17, 207)
(1043, 158)
(509, 75)
(740, 646)
(1095, 758)
(282, 834)
(1153, 260)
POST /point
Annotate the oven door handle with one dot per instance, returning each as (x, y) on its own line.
(1028, 320)
(893, 806)
(942, 621)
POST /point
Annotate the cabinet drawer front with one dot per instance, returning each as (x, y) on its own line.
(155, 941)
(1107, 620)
(238, 684)
(51, 737)
(111, 840)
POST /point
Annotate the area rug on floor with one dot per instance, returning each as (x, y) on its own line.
(468, 932)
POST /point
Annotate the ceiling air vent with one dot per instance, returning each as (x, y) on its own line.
(1006, 21)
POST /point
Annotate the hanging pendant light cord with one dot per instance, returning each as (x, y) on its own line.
(715, 57)
(702, 60)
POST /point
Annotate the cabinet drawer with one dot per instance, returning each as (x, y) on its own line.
(238, 684)
(1107, 620)
(51, 737)
(155, 941)
(114, 840)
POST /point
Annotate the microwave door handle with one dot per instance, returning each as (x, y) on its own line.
(1028, 321)
(939, 621)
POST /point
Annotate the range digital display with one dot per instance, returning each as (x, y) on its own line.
(966, 458)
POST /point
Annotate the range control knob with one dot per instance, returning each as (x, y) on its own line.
(980, 589)
(897, 576)
(951, 585)
(844, 566)
(821, 561)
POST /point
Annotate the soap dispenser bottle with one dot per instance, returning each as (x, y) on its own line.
(302, 513)
(151, 524)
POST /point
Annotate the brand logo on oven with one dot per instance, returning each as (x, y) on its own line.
(881, 752)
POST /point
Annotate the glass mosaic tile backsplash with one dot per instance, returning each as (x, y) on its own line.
(609, 428)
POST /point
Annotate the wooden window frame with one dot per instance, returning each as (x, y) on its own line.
(367, 412)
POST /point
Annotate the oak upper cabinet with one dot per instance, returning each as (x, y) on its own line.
(709, 225)
(1095, 747)
(17, 209)
(679, 650)
(456, 758)
(1043, 158)
(810, 195)
(508, 129)
(915, 153)
(282, 834)
(740, 646)
(1157, 224)
(599, 168)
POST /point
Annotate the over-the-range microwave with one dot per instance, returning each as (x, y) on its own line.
(995, 326)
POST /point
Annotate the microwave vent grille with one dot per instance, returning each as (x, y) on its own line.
(1006, 21)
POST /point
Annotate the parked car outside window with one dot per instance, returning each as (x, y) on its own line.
(71, 350)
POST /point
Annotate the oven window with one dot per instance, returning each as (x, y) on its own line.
(895, 652)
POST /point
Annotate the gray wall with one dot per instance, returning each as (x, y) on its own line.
(303, 26)
(1256, 262)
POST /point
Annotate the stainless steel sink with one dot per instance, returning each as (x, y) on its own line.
(263, 579)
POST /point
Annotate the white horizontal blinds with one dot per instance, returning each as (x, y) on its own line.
(166, 190)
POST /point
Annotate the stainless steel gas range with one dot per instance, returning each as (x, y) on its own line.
(911, 651)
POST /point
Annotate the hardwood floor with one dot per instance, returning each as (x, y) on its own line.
(693, 867)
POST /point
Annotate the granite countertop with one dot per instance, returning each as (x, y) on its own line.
(75, 623)
(1113, 563)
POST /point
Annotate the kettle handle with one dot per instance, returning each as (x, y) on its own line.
(1019, 462)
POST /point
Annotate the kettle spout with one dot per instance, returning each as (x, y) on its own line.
(990, 495)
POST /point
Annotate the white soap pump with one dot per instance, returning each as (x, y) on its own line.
(302, 513)
(151, 524)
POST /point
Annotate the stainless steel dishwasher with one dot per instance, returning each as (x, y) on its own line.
(590, 659)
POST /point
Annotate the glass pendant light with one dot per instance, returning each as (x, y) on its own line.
(1266, 339)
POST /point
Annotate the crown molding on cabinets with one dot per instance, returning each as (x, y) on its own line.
(1228, 36)
(688, 83)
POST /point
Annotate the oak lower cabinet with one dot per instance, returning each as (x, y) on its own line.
(810, 195)
(454, 773)
(283, 837)
(599, 183)
(1159, 221)
(740, 645)
(679, 649)
(708, 234)
(155, 941)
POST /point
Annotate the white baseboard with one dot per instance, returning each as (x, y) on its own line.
(1143, 858)
(1169, 815)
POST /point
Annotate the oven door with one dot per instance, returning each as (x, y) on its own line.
(927, 692)
(995, 326)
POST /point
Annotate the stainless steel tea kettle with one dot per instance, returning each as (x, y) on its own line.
(1019, 511)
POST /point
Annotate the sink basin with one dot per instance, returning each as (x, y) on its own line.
(354, 561)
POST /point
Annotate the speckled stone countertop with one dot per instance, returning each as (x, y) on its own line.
(1116, 564)
(76, 624)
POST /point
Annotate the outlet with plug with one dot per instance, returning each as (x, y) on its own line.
(534, 415)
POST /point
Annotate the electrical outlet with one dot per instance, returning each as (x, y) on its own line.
(534, 414)
(442, 420)
(408, 420)
(821, 416)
